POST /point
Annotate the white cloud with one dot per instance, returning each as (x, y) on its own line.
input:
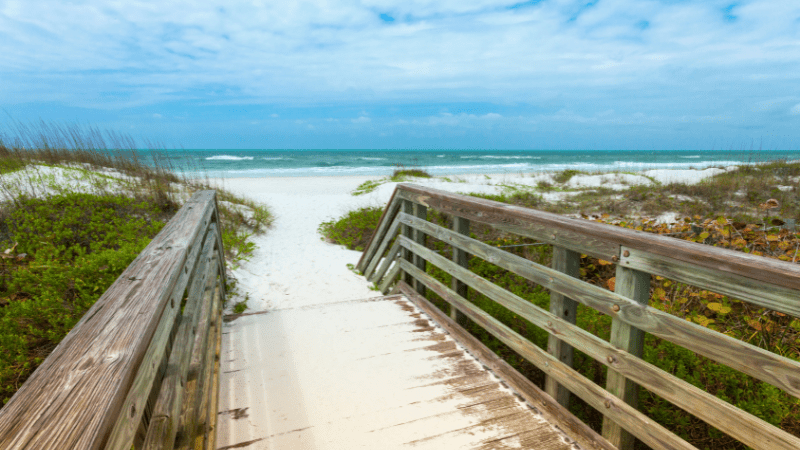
(666, 59)
(157, 115)
(274, 116)
(795, 110)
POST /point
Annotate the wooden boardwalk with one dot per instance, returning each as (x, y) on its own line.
(374, 373)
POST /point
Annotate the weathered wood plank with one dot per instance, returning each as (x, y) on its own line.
(460, 257)
(387, 238)
(774, 369)
(387, 217)
(394, 273)
(196, 380)
(420, 212)
(737, 423)
(166, 413)
(568, 262)
(57, 407)
(387, 261)
(407, 208)
(544, 227)
(211, 434)
(768, 295)
(635, 285)
(653, 434)
(602, 240)
(552, 411)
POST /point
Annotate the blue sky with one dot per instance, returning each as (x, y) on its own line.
(549, 74)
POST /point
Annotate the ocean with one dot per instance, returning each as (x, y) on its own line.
(296, 163)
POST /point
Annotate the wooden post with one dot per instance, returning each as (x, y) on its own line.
(635, 285)
(408, 208)
(421, 212)
(568, 262)
(460, 257)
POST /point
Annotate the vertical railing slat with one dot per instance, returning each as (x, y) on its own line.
(635, 285)
(460, 257)
(420, 212)
(568, 262)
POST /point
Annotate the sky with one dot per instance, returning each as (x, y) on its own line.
(444, 74)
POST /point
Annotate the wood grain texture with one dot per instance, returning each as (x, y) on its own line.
(653, 434)
(737, 423)
(75, 397)
(544, 227)
(778, 298)
(544, 403)
(568, 262)
(407, 208)
(774, 369)
(195, 381)
(635, 285)
(394, 274)
(387, 238)
(386, 219)
(460, 257)
(583, 235)
(211, 433)
(166, 414)
(387, 261)
(421, 213)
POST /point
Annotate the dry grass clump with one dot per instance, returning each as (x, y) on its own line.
(76, 207)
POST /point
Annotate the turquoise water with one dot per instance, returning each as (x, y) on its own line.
(289, 163)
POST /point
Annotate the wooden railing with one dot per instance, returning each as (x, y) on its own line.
(140, 369)
(764, 282)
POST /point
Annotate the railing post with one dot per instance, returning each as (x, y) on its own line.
(408, 208)
(460, 257)
(635, 285)
(568, 262)
(420, 212)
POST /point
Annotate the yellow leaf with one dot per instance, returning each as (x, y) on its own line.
(659, 293)
(773, 238)
(612, 283)
(754, 324)
(714, 306)
(603, 262)
(704, 235)
(667, 283)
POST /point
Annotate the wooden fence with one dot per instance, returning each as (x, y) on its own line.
(140, 369)
(764, 282)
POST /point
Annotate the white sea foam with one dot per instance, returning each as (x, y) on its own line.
(229, 158)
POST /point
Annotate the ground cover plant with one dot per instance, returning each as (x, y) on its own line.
(752, 209)
(73, 215)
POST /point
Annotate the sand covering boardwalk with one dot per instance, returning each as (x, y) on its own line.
(375, 373)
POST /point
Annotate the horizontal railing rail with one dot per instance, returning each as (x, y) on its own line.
(140, 369)
(397, 255)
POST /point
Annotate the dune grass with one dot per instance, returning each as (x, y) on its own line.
(750, 209)
(77, 205)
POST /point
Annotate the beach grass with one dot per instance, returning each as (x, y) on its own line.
(751, 209)
(78, 205)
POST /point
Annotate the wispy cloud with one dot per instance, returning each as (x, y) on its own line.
(563, 61)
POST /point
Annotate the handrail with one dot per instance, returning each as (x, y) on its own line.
(139, 369)
(775, 285)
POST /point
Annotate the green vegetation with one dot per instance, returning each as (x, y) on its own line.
(354, 229)
(748, 209)
(403, 174)
(73, 216)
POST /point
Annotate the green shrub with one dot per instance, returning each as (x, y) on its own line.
(68, 249)
(354, 229)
